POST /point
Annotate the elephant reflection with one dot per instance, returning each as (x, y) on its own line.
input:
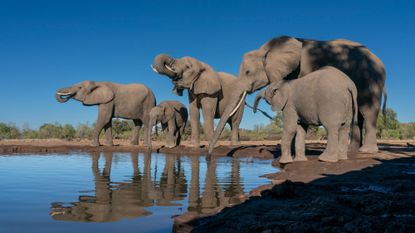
(216, 193)
(125, 199)
(148, 186)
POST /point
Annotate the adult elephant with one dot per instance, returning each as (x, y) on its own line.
(131, 101)
(289, 58)
(208, 90)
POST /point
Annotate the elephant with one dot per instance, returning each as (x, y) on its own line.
(173, 118)
(286, 57)
(208, 90)
(324, 97)
(131, 101)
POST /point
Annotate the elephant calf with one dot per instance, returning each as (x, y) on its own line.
(173, 118)
(132, 101)
(325, 97)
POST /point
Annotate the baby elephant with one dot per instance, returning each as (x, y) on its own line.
(132, 101)
(325, 97)
(173, 118)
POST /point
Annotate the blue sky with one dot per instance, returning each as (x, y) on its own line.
(45, 45)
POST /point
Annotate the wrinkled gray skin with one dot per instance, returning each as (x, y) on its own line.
(208, 90)
(290, 58)
(324, 97)
(132, 101)
(173, 118)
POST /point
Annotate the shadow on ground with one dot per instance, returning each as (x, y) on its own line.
(377, 198)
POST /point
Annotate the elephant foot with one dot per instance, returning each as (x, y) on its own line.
(194, 144)
(342, 156)
(369, 148)
(299, 158)
(170, 146)
(235, 143)
(327, 157)
(353, 148)
(95, 144)
(285, 159)
(109, 144)
(134, 142)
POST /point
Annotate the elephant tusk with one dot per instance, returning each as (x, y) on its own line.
(239, 104)
(154, 69)
(169, 68)
(60, 93)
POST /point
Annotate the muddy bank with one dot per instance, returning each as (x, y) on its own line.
(367, 193)
(265, 150)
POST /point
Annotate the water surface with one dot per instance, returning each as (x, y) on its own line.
(118, 192)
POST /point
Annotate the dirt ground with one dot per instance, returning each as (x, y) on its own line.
(366, 193)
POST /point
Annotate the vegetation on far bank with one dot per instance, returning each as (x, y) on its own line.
(390, 128)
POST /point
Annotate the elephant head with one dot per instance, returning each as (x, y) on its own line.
(188, 73)
(160, 113)
(87, 92)
(276, 95)
(274, 61)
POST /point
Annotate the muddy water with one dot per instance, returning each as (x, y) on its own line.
(117, 192)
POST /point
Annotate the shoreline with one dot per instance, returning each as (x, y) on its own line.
(293, 190)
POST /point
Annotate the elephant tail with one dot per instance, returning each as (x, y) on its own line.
(385, 98)
(353, 94)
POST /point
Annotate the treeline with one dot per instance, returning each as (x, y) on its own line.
(390, 128)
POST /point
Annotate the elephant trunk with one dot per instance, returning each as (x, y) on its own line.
(151, 123)
(236, 100)
(162, 65)
(64, 94)
(258, 97)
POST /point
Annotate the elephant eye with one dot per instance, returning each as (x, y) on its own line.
(247, 72)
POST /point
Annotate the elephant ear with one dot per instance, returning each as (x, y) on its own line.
(98, 94)
(278, 96)
(282, 56)
(168, 113)
(208, 83)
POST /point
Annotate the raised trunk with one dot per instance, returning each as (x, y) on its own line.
(160, 63)
(64, 94)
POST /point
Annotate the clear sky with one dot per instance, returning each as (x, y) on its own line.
(45, 45)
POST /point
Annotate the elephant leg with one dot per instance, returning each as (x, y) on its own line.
(330, 153)
(136, 132)
(235, 122)
(208, 108)
(288, 134)
(171, 139)
(370, 116)
(194, 121)
(108, 134)
(343, 141)
(147, 130)
(234, 134)
(300, 143)
(104, 117)
(357, 136)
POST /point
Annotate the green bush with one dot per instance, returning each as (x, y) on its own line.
(122, 129)
(9, 131)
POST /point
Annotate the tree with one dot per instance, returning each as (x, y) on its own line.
(120, 128)
(84, 131)
(49, 130)
(388, 125)
(68, 132)
(9, 131)
(28, 133)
